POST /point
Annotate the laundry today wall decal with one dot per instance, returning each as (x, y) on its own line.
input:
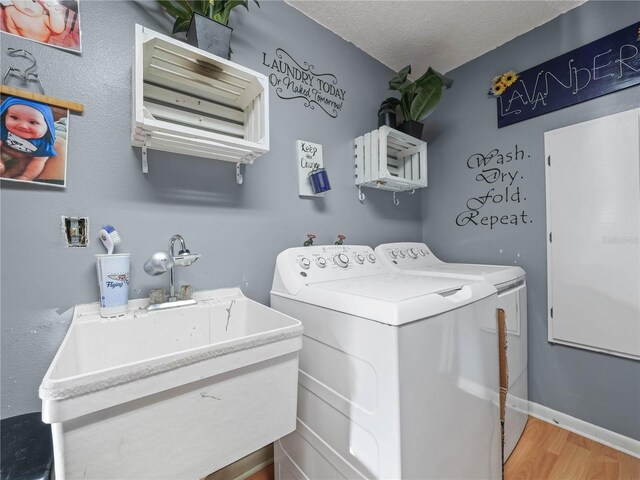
(603, 66)
(295, 81)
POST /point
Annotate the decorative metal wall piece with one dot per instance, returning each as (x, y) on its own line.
(24, 77)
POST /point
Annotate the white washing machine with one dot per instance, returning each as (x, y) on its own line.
(417, 258)
(398, 373)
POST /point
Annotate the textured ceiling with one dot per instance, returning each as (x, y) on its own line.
(440, 34)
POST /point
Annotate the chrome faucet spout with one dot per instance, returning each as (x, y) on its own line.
(184, 258)
(160, 262)
(172, 243)
(172, 271)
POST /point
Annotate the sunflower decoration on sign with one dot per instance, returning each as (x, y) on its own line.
(500, 83)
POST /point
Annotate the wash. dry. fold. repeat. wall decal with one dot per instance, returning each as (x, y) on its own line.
(298, 80)
(500, 201)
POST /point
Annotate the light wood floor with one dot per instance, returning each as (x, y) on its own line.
(264, 474)
(548, 452)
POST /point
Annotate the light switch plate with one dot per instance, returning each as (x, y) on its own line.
(76, 231)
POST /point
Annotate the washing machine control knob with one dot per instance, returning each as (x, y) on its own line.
(393, 254)
(341, 260)
(305, 263)
(372, 258)
(423, 252)
(413, 253)
(401, 253)
(321, 262)
(359, 258)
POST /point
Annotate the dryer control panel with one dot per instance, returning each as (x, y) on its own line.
(406, 255)
(300, 266)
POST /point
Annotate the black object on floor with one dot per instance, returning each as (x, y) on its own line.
(27, 449)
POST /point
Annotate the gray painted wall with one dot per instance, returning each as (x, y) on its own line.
(600, 389)
(239, 230)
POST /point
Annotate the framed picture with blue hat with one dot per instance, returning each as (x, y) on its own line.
(33, 141)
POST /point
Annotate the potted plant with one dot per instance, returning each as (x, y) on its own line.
(418, 98)
(205, 21)
(387, 112)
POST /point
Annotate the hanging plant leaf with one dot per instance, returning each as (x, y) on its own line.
(218, 10)
(418, 99)
(218, 7)
(229, 5)
(431, 73)
(210, 10)
(181, 25)
(400, 80)
(201, 6)
(405, 107)
(175, 9)
(426, 100)
(408, 89)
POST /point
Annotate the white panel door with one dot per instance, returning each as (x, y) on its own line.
(593, 226)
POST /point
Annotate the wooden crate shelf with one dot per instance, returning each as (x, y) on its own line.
(390, 160)
(188, 101)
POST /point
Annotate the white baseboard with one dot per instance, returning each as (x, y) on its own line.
(593, 432)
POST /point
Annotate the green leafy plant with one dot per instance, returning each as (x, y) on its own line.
(218, 10)
(420, 97)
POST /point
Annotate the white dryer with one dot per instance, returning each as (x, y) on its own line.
(398, 373)
(510, 281)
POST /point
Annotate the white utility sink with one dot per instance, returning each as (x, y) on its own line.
(171, 394)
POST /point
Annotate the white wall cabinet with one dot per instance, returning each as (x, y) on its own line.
(593, 226)
(191, 102)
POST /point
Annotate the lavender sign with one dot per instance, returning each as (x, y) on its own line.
(603, 66)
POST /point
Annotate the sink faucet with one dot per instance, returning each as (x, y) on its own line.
(160, 262)
(184, 259)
